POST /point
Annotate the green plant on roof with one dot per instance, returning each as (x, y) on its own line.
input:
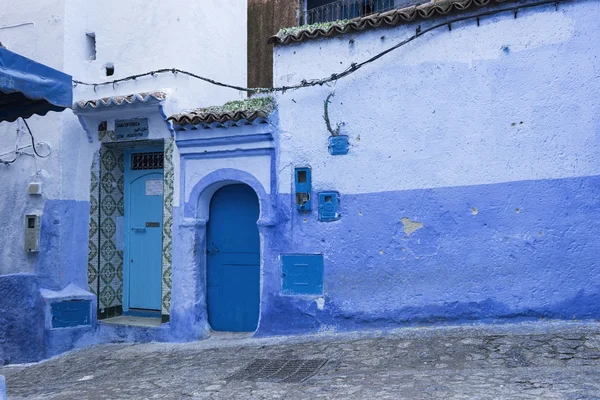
(311, 27)
(265, 104)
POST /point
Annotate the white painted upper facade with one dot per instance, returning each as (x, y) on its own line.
(475, 105)
(207, 38)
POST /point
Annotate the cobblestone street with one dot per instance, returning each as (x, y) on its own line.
(522, 361)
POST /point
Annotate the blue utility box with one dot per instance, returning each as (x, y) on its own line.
(71, 313)
(338, 145)
(329, 206)
(303, 185)
(302, 274)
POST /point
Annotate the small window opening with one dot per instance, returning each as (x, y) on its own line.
(301, 176)
(90, 45)
(110, 69)
(31, 223)
(328, 199)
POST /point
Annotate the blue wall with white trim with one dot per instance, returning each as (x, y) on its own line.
(511, 251)
(482, 139)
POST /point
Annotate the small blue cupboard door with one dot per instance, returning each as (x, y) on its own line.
(233, 260)
(143, 210)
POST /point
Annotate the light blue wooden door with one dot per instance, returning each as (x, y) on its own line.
(233, 260)
(143, 211)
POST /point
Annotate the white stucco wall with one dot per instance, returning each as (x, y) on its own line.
(513, 99)
(207, 38)
(34, 29)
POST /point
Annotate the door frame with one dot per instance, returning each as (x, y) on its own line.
(126, 220)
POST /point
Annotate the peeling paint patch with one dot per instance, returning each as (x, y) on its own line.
(320, 303)
(410, 226)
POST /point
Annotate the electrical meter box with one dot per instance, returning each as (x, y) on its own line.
(302, 180)
(329, 205)
(32, 232)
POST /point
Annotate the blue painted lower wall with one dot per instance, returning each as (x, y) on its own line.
(21, 319)
(515, 250)
(61, 260)
(488, 253)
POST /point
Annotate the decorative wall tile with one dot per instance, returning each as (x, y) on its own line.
(107, 296)
(108, 273)
(93, 231)
(109, 161)
(109, 228)
(169, 176)
(108, 205)
(109, 183)
(94, 204)
(106, 136)
(111, 207)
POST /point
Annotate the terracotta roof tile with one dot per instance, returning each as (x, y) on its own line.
(248, 110)
(144, 97)
(388, 18)
(209, 118)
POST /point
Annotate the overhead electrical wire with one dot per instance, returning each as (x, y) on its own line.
(333, 77)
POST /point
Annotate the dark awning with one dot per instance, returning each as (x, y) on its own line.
(27, 87)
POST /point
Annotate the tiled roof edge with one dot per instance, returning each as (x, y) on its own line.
(144, 97)
(209, 118)
(258, 108)
(388, 18)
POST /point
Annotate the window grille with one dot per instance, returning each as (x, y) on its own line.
(140, 161)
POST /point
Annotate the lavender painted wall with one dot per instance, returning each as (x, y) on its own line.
(470, 192)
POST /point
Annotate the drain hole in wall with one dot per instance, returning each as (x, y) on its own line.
(109, 69)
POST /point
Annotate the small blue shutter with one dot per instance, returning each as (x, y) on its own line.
(302, 274)
(70, 313)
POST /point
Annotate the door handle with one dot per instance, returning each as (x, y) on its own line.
(138, 229)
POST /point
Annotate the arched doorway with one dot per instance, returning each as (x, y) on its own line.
(233, 260)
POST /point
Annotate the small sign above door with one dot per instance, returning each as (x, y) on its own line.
(131, 129)
(154, 187)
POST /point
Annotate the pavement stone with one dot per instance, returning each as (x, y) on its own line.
(535, 361)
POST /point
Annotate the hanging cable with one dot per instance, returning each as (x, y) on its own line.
(333, 77)
(16, 151)
(33, 141)
(8, 162)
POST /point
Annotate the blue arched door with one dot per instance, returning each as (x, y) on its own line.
(233, 260)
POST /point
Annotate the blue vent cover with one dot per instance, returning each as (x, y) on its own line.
(70, 313)
(302, 274)
(338, 145)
